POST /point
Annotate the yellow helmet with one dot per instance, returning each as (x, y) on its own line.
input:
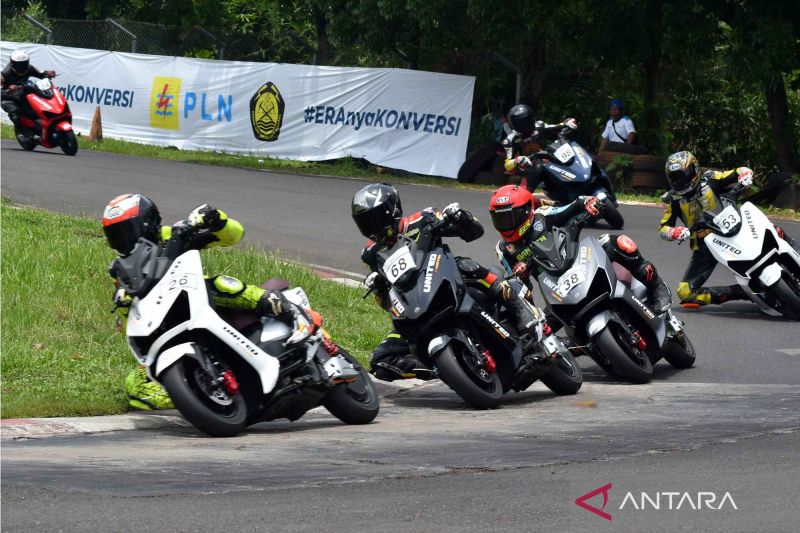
(683, 172)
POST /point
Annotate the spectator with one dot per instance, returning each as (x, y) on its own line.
(619, 127)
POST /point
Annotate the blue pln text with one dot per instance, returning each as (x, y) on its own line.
(384, 118)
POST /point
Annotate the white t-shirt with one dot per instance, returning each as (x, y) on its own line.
(623, 127)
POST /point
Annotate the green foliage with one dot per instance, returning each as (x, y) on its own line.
(18, 28)
(620, 170)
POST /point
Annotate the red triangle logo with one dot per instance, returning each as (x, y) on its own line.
(581, 502)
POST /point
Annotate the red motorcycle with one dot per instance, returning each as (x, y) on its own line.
(52, 110)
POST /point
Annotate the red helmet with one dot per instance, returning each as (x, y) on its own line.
(128, 217)
(511, 209)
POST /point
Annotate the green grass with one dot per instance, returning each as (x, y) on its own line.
(61, 352)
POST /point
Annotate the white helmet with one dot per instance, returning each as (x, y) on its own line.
(20, 62)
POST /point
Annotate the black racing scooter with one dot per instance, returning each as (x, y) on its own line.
(569, 171)
(605, 308)
(458, 333)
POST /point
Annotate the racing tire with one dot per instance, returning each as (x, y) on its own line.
(355, 402)
(565, 376)
(480, 396)
(181, 380)
(788, 298)
(612, 215)
(481, 159)
(70, 143)
(27, 144)
(625, 362)
(679, 352)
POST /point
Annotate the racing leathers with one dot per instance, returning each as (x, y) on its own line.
(392, 359)
(14, 102)
(514, 256)
(211, 228)
(688, 208)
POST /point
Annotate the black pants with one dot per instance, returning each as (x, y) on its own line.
(15, 107)
(691, 289)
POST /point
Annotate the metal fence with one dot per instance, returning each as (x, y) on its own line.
(127, 36)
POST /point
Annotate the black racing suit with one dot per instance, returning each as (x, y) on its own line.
(689, 209)
(224, 291)
(516, 144)
(14, 103)
(392, 359)
(620, 248)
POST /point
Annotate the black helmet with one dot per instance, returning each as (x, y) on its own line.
(683, 172)
(20, 62)
(521, 119)
(377, 211)
(128, 217)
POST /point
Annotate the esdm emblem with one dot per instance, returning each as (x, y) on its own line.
(266, 112)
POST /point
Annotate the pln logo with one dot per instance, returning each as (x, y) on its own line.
(164, 103)
(266, 112)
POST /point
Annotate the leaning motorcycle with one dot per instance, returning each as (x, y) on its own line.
(603, 307)
(52, 110)
(458, 333)
(223, 375)
(747, 243)
(569, 171)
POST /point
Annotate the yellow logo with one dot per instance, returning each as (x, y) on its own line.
(164, 103)
(266, 112)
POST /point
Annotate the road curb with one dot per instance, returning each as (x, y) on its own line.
(33, 428)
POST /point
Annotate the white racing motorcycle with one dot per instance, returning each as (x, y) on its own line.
(747, 243)
(223, 375)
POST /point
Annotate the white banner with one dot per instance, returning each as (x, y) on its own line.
(405, 119)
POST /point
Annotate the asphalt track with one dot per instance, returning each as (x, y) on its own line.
(427, 464)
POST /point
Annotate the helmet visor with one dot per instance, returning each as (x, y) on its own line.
(373, 223)
(123, 235)
(507, 219)
(682, 180)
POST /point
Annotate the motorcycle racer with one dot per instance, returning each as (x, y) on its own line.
(128, 217)
(12, 78)
(691, 192)
(520, 225)
(378, 214)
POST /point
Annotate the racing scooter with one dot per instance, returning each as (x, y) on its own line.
(223, 375)
(603, 307)
(458, 333)
(747, 243)
(569, 171)
(52, 110)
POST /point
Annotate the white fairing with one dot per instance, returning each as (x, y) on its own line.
(746, 245)
(186, 275)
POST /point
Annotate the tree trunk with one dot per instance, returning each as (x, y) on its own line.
(324, 49)
(781, 124)
(652, 93)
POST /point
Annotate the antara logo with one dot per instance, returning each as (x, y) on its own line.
(670, 501)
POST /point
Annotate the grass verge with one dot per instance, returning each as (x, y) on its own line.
(61, 352)
(346, 167)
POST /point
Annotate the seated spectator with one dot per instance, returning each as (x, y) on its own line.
(619, 127)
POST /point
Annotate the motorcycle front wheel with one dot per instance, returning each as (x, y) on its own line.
(626, 360)
(480, 392)
(679, 351)
(208, 407)
(70, 143)
(564, 376)
(354, 402)
(788, 297)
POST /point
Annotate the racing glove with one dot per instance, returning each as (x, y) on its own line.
(519, 163)
(571, 123)
(452, 211)
(521, 270)
(745, 176)
(205, 216)
(679, 233)
(50, 73)
(590, 205)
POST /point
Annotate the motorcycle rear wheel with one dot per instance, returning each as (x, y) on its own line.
(623, 358)
(70, 143)
(788, 297)
(480, 396)
(565, 376)
(25, 142)
(185, 385)
(356, 402)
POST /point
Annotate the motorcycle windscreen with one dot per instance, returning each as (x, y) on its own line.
(590, 275)
(437, 269)
(748, 244)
